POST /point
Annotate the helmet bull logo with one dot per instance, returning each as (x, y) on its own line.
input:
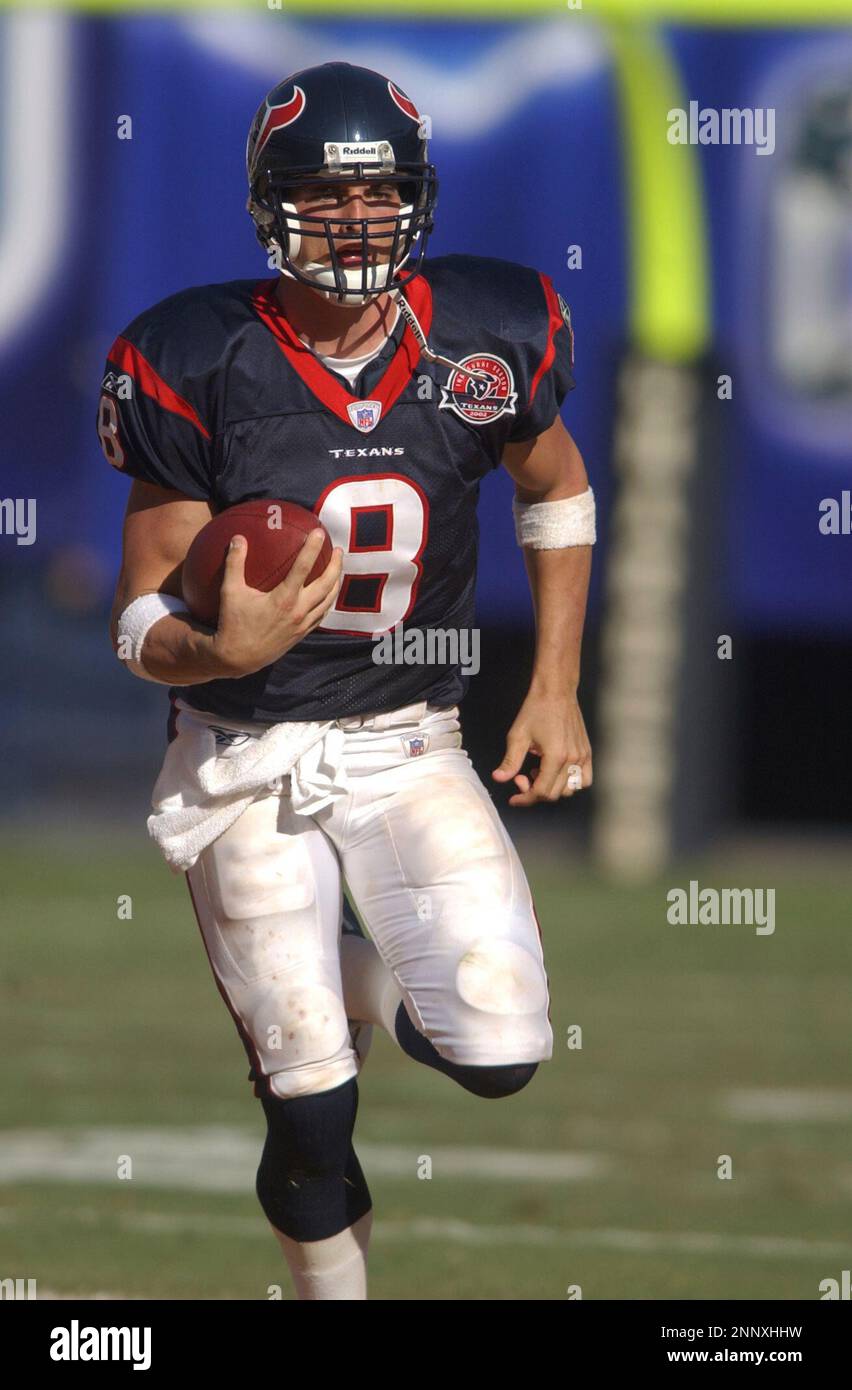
(279, 116)
(403, 102)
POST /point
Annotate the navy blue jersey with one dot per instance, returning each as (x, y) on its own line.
(212, 393)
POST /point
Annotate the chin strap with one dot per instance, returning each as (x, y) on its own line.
(404, 308)
(414, 324)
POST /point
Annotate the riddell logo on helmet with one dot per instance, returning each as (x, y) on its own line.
(371, 150)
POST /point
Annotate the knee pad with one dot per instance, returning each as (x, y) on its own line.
(499, 976)
(494, 1082)
(490, 1081)
(309, 1181)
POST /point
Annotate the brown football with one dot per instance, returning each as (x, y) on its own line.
(275, 532)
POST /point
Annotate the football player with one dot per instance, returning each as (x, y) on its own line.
(376, 388)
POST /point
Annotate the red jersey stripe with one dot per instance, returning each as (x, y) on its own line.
(554, 322)
(130, 360)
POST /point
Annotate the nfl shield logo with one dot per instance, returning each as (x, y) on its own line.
(365, 414)
(415, 746)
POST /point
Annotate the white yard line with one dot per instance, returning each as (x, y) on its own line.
(222, 1159)
(453, 1231)
(42, 1294)
(787, 1106)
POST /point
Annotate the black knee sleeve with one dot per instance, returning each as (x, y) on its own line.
(492, 1082)
(309, 1182)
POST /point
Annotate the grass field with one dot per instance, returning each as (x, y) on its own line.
(697, 1042)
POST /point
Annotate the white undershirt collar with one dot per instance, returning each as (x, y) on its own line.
(351, 367)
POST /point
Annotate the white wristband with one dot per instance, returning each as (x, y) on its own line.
(552, 525)
(133, 626)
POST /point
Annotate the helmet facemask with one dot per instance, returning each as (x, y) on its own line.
(387, 242)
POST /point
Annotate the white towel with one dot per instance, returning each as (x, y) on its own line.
(212, 772)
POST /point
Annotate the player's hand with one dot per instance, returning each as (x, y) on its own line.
(256, 629)
(551, 728)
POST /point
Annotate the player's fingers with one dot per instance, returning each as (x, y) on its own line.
(526, 796)
(549, 779)
(546, 784)
(570, 777)
(532, 789)
(570, 780)
(516, 750)
(235, 563)
(302, 565)
(316, 614)
(523, 795)
(578, 775)
(318, 590)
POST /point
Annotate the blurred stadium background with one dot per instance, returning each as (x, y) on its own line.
(696, 264)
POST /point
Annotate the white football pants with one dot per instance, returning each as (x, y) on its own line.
(433, 875)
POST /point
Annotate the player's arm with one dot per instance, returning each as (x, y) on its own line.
(254, 628)
(160, 524)
(545, 469)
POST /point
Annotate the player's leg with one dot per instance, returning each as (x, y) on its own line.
(309, 1182)
(372, 992)
(446, 901)
(360, 1027)
(267, 895)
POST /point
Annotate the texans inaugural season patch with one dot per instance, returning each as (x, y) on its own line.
(477, 401)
